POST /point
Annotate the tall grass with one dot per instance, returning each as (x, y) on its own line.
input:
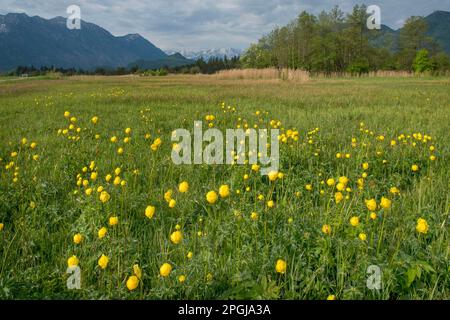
(298, 75)
(264, 74)
(371, 74)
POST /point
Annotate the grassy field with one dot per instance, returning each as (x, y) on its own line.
(344, 142)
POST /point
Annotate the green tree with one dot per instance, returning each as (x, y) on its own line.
(422, 62)
(412, 38)
(256, 56)
(440, 62)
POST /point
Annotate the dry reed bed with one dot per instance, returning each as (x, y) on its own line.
(304, 76)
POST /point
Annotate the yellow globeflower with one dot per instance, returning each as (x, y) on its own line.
(168, 195)
(331, 297)
(362, 236)
(280, 266)
(183, 187)
(343, 180)
(165, 269)
(94, 120)
(103, 261)
(104, 196)
(108, 177)
(113, 221)
(137, 271)
(128, 130)
(254, 216)
(182, 278)
(270, 204)
(415, 168)
(385, 203)
(273, 175)
(72, 261)
(117, 171)
(211, 197)
(77, 238)
(422, 226)
(354, 221)
(117, 181)
(176, 237)
(373, 215)
(156, 143)
(102, 232)
(88, 191)
(132, 283)
(150, 211)
(326, 228)
(394, 190)
(365, 166)
(338, 197)
(224, 191)
(371, 204)
(331, 182)
(172, 203)
(190, 255)
(255, 167)
(340, 186)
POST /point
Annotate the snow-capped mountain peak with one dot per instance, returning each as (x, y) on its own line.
(206, 54)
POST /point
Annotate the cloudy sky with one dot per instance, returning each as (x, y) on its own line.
(202, 24)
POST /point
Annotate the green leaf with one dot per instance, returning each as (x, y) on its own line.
(410, 276)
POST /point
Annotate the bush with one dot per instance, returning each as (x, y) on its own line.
(422, 62)
(358, 67)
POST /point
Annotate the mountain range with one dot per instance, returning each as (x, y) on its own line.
(439, 28)
(207, 54)
(172, 60)
(35, 41)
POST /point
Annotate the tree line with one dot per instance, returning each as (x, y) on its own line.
(334, 42)
(201, 65)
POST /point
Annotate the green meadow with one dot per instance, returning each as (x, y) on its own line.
(363, 181)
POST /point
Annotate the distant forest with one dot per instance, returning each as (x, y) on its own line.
(333, 42)
(200, 66)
